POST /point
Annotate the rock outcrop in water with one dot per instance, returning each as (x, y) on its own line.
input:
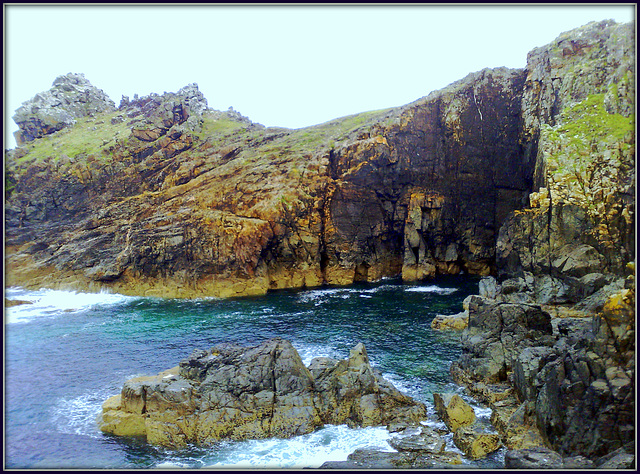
(236, 392)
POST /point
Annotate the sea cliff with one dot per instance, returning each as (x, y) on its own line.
(523, 176)
(165, 196)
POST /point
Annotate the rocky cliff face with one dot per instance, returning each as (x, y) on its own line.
(168, 197)
(165, 196)
(568, 257)
(528, 175)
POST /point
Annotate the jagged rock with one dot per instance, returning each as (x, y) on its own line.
(235, 392)
(72, 96)
(526, 367)
(474, 444)
(453, 410)
(578, 260)
(622, 458)
(496, 334)
(489, 288)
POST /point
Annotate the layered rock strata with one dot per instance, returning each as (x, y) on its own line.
(172, 198)
(166, 196)
(236, 392)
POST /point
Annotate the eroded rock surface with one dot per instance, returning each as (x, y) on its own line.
(566, 262)
(236, 392)
(71, 96)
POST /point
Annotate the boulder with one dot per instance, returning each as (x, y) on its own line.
(474, 444)
(427, 441)
(236, 392)
(365, 458)
(496, 335)
(578, 260)
(456, 322)
(622, 458)
(532, 458)
(453, 410)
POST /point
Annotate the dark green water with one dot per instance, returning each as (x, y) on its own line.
(66, 353)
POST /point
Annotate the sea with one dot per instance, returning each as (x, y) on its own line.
(67, 352)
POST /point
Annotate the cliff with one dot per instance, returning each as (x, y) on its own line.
(524, 176)
(165, 196)
(566, 265)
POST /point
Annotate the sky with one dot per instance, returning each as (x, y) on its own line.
(280, 65)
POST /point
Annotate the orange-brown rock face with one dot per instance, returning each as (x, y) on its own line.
(165, 196)
(185, 201)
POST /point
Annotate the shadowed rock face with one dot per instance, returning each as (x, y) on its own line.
(235, 392)
(430, 190)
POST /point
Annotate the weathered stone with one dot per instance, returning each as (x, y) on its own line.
(474, 444)
(72, 96)
(235, 392)
(455, 322)
(577, 462)
(374, 459)
(621, 458)
(496, 334)
(453, 410)
(578, 260)
(525, 369)
(427, 441)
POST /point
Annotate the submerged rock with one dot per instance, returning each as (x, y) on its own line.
(236, 392)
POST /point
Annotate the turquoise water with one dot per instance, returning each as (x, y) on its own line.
(68, 352)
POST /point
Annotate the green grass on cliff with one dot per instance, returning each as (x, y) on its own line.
(582, 129)
(89, 136)
(326, 135)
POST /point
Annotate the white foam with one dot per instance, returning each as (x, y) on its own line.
(331, 443)
(431, 289)
(78, 415)
(46, 302)
(309, 352)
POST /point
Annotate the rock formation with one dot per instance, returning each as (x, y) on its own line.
(175, 199)
(71, 97)
(527, 175)
(565, 264)
(235, 392)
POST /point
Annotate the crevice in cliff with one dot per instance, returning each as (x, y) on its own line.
(333, 164)
(324, 256)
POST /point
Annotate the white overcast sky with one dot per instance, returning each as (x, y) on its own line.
(290, 66)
